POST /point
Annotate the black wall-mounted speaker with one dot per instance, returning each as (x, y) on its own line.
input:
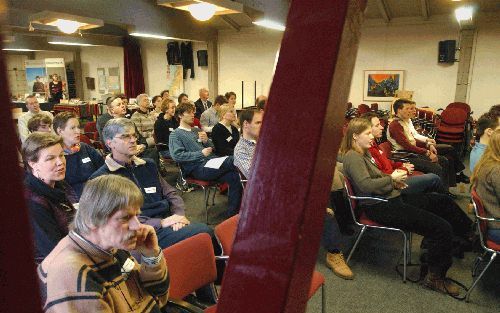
(447, 51)
(202, 57)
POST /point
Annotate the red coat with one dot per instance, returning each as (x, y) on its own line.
(383, 163)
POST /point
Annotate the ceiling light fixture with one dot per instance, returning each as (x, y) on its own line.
(67, 43)
(19, 49)
(67, 23)
(270, 24)
(203, 10)
(464, 13)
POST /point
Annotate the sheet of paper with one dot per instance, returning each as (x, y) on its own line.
(215, 163)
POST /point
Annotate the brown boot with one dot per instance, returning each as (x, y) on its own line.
(336, 262)
(441, 283)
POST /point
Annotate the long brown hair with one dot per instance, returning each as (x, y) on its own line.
(490, 158)
(356, 126)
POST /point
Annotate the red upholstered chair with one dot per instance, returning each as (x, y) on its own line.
(363, 108)
(209, 188)
(489, 246)
(225, 233)
(85, 139)
(191, 265)
(90, 130)
(365, 223)
(396, 156)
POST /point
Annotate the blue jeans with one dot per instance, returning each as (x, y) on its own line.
(423, 184)
(331, 238)
(494, 234)
(226, 173)
(167, 236)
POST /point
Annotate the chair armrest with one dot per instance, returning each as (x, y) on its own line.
(183, 305)
(488, 219)
(222, 257)
(398, 159)
(161, 144)
(368, 198)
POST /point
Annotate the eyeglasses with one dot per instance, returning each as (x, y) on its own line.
(127, 137)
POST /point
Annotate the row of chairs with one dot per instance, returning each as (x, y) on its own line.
(192, 265)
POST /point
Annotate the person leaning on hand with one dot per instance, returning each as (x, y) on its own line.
(91, 269)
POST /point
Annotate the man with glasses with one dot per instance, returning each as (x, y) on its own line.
(163, 208)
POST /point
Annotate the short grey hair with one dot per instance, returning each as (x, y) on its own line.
(116, 126)
(138, 99)
(102, 197)
(29, 97)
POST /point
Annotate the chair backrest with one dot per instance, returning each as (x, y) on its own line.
(225, 232)
(85, 139)
(374, 106)
(479, 210)
(90, 127)
(454, 117)
(363, 108)
(191, 265)
(243, 179)
(350, 197)
(460, 105)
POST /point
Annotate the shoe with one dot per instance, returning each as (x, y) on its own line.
(336, 262)
(461, 178)
(441, 284)
(183, 188)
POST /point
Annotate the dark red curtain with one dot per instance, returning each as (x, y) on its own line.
(18, 282)
(134, 77)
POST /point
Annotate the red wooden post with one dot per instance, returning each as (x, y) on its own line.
(284, 205)
(18, 282)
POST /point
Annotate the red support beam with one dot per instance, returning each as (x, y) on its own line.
(284, 204)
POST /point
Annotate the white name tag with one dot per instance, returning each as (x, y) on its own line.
(128, 266)
(228, 139)
(86, 160)
(171, 129)
(150, 190)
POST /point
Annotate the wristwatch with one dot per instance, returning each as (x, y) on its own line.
(154, 260)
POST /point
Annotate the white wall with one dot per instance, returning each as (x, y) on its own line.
(66, 55)
(98, 57)
(414, 49)
(247, 55)
(485, 74)
(154, 62)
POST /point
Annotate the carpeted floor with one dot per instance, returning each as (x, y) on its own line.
(377, 287)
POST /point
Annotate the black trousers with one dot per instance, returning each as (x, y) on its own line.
(436, 217)
(443, 168)
(452, 155)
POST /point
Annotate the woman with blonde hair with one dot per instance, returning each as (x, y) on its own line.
(225, 135)
(434, 216)
(486, 180)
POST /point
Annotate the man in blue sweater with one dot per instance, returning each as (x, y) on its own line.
(191, 148)
(163, 208)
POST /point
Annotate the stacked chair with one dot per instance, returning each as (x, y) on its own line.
(454, 126)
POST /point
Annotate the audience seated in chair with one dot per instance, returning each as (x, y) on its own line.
(33, 108)
(210, 117)
(82, 160)
(485, 126)
(92, 270)
(202, 104)
(164, 125)
(183, 98)
(143, 120)
(156, 102)
(191, 148)
(48, 196)
(231, 102)
(424, 154)
(486, 181)
(40, 123)
(163, 207)
(224, 134)
(434, 216)
(415, 184)
(250, 121)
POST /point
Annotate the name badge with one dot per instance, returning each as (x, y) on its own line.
(86, 160)
(171, 129)
(150, 190)
(128, 266)
(228, 139)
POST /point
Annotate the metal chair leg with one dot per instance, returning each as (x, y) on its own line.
(410, 238)
(405, 252)
(356, 244)
(493, 256)
(323, 299)
(213, 196)
(206, 193)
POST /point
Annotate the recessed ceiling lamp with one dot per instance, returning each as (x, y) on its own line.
(270, 24)
(67, 23)
(68, 43)
(19, 49)
(203, 10)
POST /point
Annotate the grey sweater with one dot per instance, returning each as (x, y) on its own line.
(186, 150)
(366, 178)
(488, 189)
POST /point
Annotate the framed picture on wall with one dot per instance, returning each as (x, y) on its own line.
(382, 85)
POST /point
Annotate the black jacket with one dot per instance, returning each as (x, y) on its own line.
(200, 108)
(223, 140)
